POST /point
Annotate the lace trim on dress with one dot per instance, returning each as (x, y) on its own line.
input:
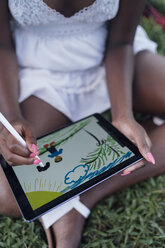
(36, 13)
(85, 9)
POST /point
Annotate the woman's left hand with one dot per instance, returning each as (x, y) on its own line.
(137, 134)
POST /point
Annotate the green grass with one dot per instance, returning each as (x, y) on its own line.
(132, 218)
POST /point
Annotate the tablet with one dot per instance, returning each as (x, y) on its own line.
(75, 159)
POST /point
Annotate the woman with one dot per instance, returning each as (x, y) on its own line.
(52, 58)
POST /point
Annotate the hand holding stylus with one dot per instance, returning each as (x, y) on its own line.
(14, 133)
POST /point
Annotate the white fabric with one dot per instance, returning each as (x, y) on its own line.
(37, 16)
(61, 59)
(51, 217)
(142, 41)
(158, 121)
(82, 209)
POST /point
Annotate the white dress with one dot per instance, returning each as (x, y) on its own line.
(61, 59)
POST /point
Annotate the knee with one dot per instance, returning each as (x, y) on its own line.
(8, 205)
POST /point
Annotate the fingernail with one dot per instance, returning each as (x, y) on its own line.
(126, 173)
(32, 155)
(37, 161)
(150, 157)
(34, 148)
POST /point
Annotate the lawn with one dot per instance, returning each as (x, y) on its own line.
(131, 218)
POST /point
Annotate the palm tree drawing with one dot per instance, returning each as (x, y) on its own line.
(105, 150)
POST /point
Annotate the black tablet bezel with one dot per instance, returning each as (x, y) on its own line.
(29, 214)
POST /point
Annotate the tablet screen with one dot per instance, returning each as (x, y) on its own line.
(72, 156)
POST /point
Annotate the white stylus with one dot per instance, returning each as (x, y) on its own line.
(11, 129)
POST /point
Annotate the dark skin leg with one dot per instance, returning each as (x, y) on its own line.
(149, 86)
(73, 222)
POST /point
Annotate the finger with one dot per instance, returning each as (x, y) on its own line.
(133, 168)
(16, 148)
(143, 144)
(33, 155)
(13, 144)
(14, 159)
(148, 140)
(30, 139)
(149, 154)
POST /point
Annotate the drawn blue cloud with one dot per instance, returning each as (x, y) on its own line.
(78, 173)
(91, 174)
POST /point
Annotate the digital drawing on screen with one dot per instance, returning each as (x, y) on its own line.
(71, 156)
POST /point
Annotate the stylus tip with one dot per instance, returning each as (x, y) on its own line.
(41, 164)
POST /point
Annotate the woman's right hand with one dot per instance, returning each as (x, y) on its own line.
(13, 152)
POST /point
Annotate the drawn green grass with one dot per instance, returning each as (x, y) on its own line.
(42, 192)
(41, 185)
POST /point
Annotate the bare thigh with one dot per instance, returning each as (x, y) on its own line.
(149, 83)
(43, 118)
